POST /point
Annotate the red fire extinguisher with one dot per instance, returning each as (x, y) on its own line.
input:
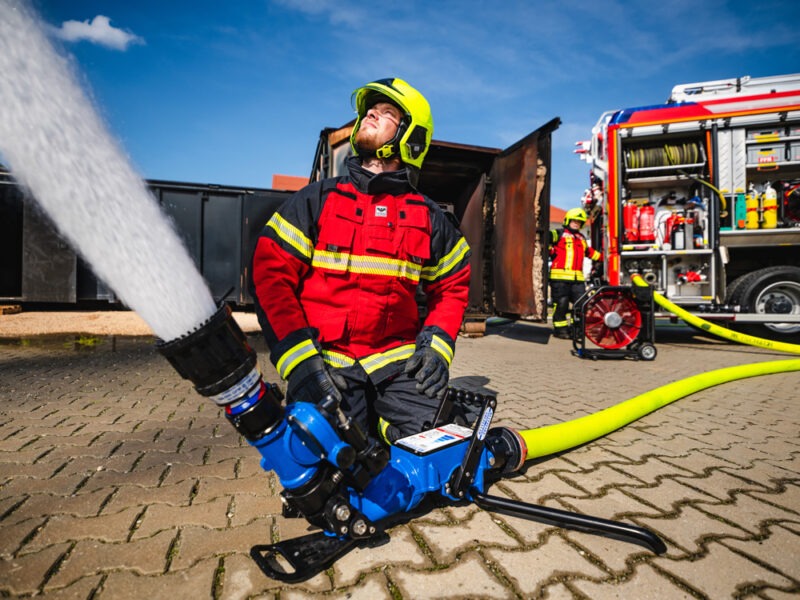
(630, 221)
(647, 221)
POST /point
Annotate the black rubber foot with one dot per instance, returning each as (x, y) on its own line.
(301, 558)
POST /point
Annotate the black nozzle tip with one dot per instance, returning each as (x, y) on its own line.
(214, 357)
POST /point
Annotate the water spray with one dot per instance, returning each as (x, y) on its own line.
(60, 150)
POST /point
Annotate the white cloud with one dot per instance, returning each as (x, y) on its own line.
(98, 31)
(338, 12)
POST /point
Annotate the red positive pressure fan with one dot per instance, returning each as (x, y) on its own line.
(612, 319)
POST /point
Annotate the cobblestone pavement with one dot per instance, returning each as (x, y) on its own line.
(118, 481)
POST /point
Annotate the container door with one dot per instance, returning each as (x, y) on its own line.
(185, 209)
(473, 226)
(222, 243)
(12, 207)
(49, 264)
(521, 192)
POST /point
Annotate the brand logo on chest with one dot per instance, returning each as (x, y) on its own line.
(382, 211)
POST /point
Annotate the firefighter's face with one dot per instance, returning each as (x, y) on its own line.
(575, 225)
(378, 126)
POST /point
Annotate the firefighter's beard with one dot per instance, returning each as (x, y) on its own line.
(368, 141)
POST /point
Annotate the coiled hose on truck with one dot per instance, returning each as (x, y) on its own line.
(559, 437)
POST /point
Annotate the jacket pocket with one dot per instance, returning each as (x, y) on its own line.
(338, 225)
(331, 325)
(415, 234)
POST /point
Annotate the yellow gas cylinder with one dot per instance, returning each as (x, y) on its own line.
(770, 207)
(751, 207)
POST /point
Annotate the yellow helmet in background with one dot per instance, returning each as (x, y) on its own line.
(575, 214)
(413, 137)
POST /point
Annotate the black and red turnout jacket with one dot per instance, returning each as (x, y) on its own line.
(336, 270)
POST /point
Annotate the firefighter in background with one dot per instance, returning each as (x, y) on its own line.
(336, 270)
(568, 248)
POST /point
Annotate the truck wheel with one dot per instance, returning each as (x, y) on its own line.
(773, 290)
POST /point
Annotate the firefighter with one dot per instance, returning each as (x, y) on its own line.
(337, 268)
(568, 247)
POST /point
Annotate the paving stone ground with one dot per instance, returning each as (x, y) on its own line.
(118, 481)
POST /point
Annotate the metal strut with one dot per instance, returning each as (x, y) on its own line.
(464, 476)
(570, 520)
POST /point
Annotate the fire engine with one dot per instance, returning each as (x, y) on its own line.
(701, 197)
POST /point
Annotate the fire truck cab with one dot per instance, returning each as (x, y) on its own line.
(701, 196)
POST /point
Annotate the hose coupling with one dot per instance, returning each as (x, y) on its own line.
(508, 449)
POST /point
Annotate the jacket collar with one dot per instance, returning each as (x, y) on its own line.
(391, 182)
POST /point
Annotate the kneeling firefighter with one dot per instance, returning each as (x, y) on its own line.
(337, 267)
(568, 247)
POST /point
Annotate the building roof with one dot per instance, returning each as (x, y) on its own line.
(557, 214)
(290, 183)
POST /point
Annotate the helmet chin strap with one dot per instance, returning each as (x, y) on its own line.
(392, 147)
(386, 151)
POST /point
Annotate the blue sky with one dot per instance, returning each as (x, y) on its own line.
(232, 92)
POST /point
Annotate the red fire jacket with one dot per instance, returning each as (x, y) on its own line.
(337, 267)
(567, 250)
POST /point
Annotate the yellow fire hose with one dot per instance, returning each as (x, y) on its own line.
(722, 332)
(559, 437)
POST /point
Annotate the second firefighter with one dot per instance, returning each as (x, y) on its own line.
(568, 248)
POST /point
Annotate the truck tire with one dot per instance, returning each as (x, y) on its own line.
(733, 286)
(773, 290)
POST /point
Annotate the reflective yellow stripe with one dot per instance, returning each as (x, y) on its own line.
(383, 425)
(294, 356)
(336, 359)
(569, 246)
(291, 235)
(373, 362)
(560, 323)
(566, 275)
(448, 263)
(442, 348)
(368, 265)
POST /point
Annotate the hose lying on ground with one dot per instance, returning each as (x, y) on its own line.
(552, 439)
(559, 437)
(722, 332)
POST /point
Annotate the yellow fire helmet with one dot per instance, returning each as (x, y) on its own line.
(413, 137)
(574, 214)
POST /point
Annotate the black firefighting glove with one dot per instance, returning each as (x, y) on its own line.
(310, 382)
(431, 370)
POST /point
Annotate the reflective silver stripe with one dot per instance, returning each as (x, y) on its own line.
(336, 359)
(448, 263)
(376, 361)
(368, 265)
(291, 235)
(295, 355)
(237, 390)
(442, 348)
